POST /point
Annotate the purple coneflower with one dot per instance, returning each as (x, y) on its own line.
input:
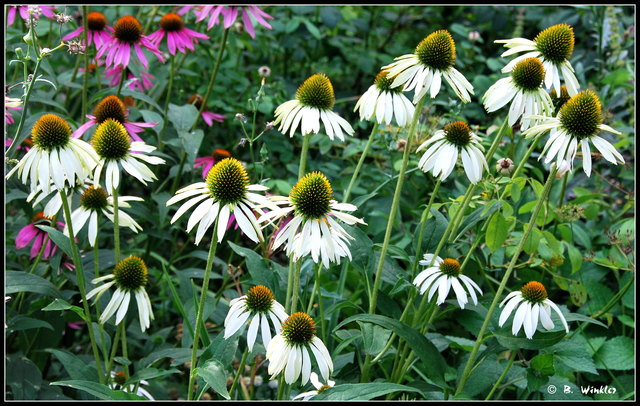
(98, 31)
(24, 13)
(12, 103)
(207, 162)
(140, 83)
(208, 116)
(178, 36)
(127, 34)
(39, 237)
(111, 107)
(229, 15)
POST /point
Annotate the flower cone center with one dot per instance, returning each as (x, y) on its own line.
(110, 107)
(259, 299)
(383, 83)
(51, 132)
(171, 22)
(131, 274)
(227, 181)
(312, 195)
(528, 74)
(94, 198)
(111, 140)
(437, 51)
(534, 292)
(450, 267)
(220, 153)
(128, 29)
(317, 91)
(556, 43)
(196, 100)
(458, 133)
(582, 114)
(298, 329)
(96, 21)
(41, 218)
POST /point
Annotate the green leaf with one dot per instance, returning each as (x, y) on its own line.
(374, 337)
(616, 354)
(423, 348)
(312, 29)
(75, 367)
(214, 375)
(140, 96)
(575, 257)
(20, 322)
(578, 293)
(98, 390)
(153, 117)
(433, 231)
(540, 339)
(543, 363)
(24, 282)
(581, 317)
(59, 304)
(191, 142)
(58, 239)
(497, 231)
(182, 117)
(477, 215)
(532, 242)
(572, 354)
(150, 373)
(362, 391)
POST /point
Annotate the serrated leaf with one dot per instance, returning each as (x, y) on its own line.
(616, 354)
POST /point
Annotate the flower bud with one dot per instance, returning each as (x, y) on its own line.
(505, 166)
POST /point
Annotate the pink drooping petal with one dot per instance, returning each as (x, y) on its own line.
(206, 162)
(184, 10)
(49, 249)
(126, 55)
(48, 11)
(259, 14)
(83, 128)
(74, 34)
(37, 244)
(171, 43)
(195, 34)
(248, 25)
(76, 325)
(141, 56)
(24, 12)
(25, 235)
(210, 117)
(11, 16)
(230, 15)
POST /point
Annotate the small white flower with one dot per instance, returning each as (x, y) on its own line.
(130, 277)
(315, 228)
(55, 156)
(424, 69)
(257, 307)
(383, 101)
(443, 149)
(523, 89)
(318, 385)
(554, 47)
(533, 305)
(95, 201)
(313, 103)
(443, 275)
(225, 192)
(578, 122)
(112, 143)
(288, 352)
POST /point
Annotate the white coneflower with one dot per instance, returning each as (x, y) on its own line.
(423, 70)
(225, 191)
(441, 277)
(554, 47)
(384, 102)
(130, 277)
(318, 385)
(443, 148)
(579, 121)
(55, 155)
(288, 352)
(95, 201)
(254, 307)
(534, 305)
(114, 147)
(313, 103)
(315, 227)
(524, 90)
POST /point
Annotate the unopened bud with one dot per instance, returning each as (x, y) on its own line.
(240, 117)
(505, 166)
(269, 126)
(474, 36)
(401, 144)
(264, 71)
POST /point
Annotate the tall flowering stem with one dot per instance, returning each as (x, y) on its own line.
(116, 226)
(166, 105)
(303, 155)
(85, 77)
(541, 201)
(203, 296)
(81, 283)
(356, 172)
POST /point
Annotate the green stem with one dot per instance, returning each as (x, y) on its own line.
(85, 77)
(125, 353)
(213, 76)
(287, 303)
(203, 296)
(25, 104)
(238, 373)
(505, 278)
(356, 172)
(174, 185)
(166, 104)
(81, 283)
(112, 355)
(303, 155)
(296, 287)
(504, 373)
(122, 79)
(116, 225)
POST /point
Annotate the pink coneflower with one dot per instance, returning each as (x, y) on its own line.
(111, 107)
(24, 13)
(207, 162)
(208, 116)
(127, 34)
(140, 84)
(178, 37)
(229, 15)
(39, 237)
(97, 25)
(11, 103)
